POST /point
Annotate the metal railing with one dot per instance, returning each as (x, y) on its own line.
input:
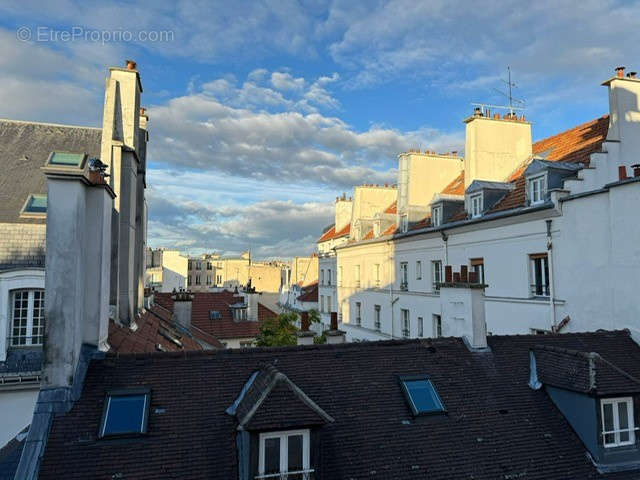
(307, 474)
(404, 286)
(539, 290)
(405, 333)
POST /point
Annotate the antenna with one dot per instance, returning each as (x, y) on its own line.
(514, 103)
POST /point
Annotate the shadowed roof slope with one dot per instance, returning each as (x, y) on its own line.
(496, 427)
(24, 148)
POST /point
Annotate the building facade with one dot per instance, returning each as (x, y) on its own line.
(544, 225)
(167, 270)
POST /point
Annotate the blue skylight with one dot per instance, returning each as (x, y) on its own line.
(125, 414)
(421, 395)
(36, 204)
(67, 159)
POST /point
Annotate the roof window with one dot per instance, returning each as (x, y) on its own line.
(421, 395)
(214, 315)
(67, 159)
(35, 206)
(126, 412)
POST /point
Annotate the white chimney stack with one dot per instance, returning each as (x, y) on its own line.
(182, 307)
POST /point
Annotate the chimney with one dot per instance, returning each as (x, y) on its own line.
(622, 172)
(123, 150)
(250, 298)
(636, 170)
(620, 72)
(182, 307)
(334, 335)
(305, 337)
(494, 148)
(463, 310)
(77, 266)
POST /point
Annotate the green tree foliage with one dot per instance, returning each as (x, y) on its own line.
(278, 331)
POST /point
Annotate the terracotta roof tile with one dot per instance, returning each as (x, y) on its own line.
(368, 236)
(390, 231)
(456, 187)
(331, 233)
(393, 208)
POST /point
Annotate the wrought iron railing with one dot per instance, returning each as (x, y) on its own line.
(404, 286)
(295, 475)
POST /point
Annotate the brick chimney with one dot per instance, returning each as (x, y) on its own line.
(77, 268)
(334, 335)
(182, 307)
(305, 336)
(463, 310)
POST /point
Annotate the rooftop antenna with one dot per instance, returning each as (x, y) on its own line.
(514, 103)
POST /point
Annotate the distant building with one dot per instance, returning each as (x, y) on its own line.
(167, 270)
(545, 225)
(302, 273)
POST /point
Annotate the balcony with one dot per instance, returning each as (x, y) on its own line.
(404, 286)
(295, 475)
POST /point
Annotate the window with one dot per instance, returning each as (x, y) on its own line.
(328, 304)
(376, 317)
(190, 265)
(208, 279)
(125, 413)
(405, 323)
(189, 280)
(329, 277)
(436, 216)
(476, 205)
(209, 266)
(437, 326)
(35, 206)
(418, 270)
(246, 343)
(67, 159)
(358, 313)
(198, 265)
(214, 315)
(421, 395)
(321, 303)
(477, 265)
(539, 275)
(321, 277)
(404, 223)
(376, 274)
(27, 317)
(420, 327)
(537, 189)
(284, 453)
(436, 274)
(218, 279)
(404, 276)
(197, 279)
(239, 313)
(357, 276)
(618, 427)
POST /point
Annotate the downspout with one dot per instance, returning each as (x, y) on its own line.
(552, 308)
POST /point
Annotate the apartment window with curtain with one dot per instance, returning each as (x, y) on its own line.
(437, 326)
(358, 313)
(418, 270)
(376, 317)
(406, 327)
(404, 276)
(477, 265)
(197, 279)
(27, 318)
(539, 266)
(436, 274)
(357, 276)
(436, 216)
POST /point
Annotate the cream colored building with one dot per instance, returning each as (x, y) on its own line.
(301, 272)
(166, 270)
(544, 225)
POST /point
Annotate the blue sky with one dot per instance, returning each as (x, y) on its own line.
(262, 112)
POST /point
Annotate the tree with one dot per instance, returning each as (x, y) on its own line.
(278, 331)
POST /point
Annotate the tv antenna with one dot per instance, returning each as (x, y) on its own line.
(514, 103)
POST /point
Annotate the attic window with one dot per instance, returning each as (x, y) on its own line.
(537, 189)
(284, 455)
(239, 313)
(214, 315)
(67, 159)
(617, 422)
(476, 205)
(35, 206)
(126, 412)
(421, 395)
(436, 216)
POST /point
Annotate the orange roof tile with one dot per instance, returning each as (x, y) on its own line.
(456, 187)
(331, 233)
(390, 231)
(368, 236)
(393, 208)
(573, 145)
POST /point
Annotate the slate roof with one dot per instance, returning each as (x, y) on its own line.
(224, 327)
(496, 426)
(24, 148)
(10, 455)
(310, 293)
(585, 372)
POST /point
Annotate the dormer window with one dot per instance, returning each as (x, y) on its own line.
(239, 313)
(618, 427)
(537, 189)
(284, 455)
(27, 318)
(436, 216)
(476, 205)
(404, 223)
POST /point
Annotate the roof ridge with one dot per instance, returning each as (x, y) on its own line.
(582, 125)
(48, 124)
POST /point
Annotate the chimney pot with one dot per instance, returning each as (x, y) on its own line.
(464, 278)
(304, 321)
(620, 71)
(448, 274)
(622, 172)
(131, 65)
(143, 111)
(334, 321)
(496, 116)
(636, 170)
(632, 74)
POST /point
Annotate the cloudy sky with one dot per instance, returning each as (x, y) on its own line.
(262, 112)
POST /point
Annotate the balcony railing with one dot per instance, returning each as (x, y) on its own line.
(358, 321)
(405, 333)
(377, 326)
(404, 286)
(296, 475)
(539, 290)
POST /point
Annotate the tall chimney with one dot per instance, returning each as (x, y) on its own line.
(304, 335)
(334, 335)
(182, 307)
(463, 311)
(79, 205)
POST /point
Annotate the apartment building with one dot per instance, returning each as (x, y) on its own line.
(167, 270)
(547, 226)
(297, 279)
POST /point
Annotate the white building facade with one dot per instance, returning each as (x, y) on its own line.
(551, 228)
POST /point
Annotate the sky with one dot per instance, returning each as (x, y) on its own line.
(262, 112)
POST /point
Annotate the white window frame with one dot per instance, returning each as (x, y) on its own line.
(406, 322)
(284, 451)
(419, 270)
(420, 327)
(436, 274)
(475, 205)
(537, 188)
(437, 325)
(321, 303)
(358, 313)
(404, 276)
(328, 303)
(436, 215)
(404, 223)
(14, 340)
(616, 422)
(321, 276)
(533, 286)
(377, 309)
(329, 277)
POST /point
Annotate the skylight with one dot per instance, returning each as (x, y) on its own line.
(66, 159)
(36, 205)
(125, 413)
(421, 395)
